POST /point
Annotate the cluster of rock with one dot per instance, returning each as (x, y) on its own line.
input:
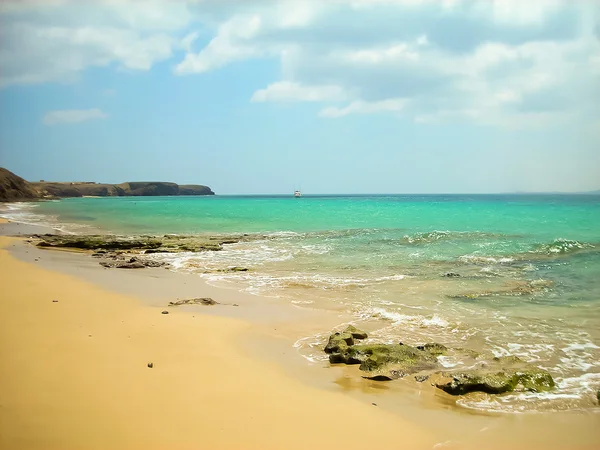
(133, 252)
(382, 362)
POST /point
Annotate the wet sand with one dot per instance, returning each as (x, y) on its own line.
(73, 373)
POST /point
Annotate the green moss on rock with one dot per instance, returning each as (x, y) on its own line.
(355, 332)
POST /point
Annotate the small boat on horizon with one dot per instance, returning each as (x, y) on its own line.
(297, 193)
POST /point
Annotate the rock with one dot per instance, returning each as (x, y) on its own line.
(150, 365)
(598, 396)
(421, 378)
(122, 264)
(234, 269)
(195, 301)
(146, 244)
(339, 342)
(54, 301)
(355, 332)
(433, 348)
(451, 275)
(165, 312)
(503, 374)
(398, 360)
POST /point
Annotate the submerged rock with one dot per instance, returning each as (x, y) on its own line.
(433, 348)
(382, 362)
(504, 374)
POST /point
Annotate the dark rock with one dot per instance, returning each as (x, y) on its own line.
(401, 359)
(451, 275)
(339, 342)
(165, 312)
(195, 301)
(150, 365)
(421, 378)
(122, 264)
(503, 374)
(14, 188)
(433, 348)
(235, 269)
(355, 332)
(374, 404)
(598, 396)
(54, 301)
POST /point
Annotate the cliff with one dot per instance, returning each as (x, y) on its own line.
(14, 188)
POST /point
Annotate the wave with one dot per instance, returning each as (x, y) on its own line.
(561, 247)
(446, 235)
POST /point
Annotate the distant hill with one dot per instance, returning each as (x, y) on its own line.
(15, 188)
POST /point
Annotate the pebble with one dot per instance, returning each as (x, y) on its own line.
(150, 365)
(54, 301)
(165, 312)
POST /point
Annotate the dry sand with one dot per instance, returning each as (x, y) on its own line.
(74, 375)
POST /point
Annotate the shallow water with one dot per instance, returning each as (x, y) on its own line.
(502, 274)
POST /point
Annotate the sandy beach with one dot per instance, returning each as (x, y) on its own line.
(76, 340)
(74, 375)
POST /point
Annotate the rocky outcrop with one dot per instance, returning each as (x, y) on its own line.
(194, 189)
(149, 189)
(133, 252)
(137, 244)
(505, 374)
(127, 189)
(14, 188)
(384, 362)
(117, 262)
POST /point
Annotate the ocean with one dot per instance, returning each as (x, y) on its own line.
(504, 274)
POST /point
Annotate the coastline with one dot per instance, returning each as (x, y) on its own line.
(78, 377)
(249, 349)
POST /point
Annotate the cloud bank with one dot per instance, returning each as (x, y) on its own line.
(502, 63)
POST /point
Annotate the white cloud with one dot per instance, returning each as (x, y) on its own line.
(72, 116)
(483, 61)
(287, 91)
(226, 47)
(54, 41)
(360, 107)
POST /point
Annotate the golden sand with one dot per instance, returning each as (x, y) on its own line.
(74, 375)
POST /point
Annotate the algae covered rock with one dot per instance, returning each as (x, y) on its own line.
(339, 342)
(355, 332)
(391, 361)
(533, 379)
(433, 348)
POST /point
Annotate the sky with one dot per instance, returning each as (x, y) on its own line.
(327, 96)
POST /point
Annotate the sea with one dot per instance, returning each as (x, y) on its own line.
(499, 274)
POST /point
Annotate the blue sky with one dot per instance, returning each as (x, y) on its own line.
(339, 96)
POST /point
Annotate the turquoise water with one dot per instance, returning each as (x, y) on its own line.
(525, 268)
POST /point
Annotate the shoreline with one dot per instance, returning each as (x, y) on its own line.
(270, 328)
(80, 378)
